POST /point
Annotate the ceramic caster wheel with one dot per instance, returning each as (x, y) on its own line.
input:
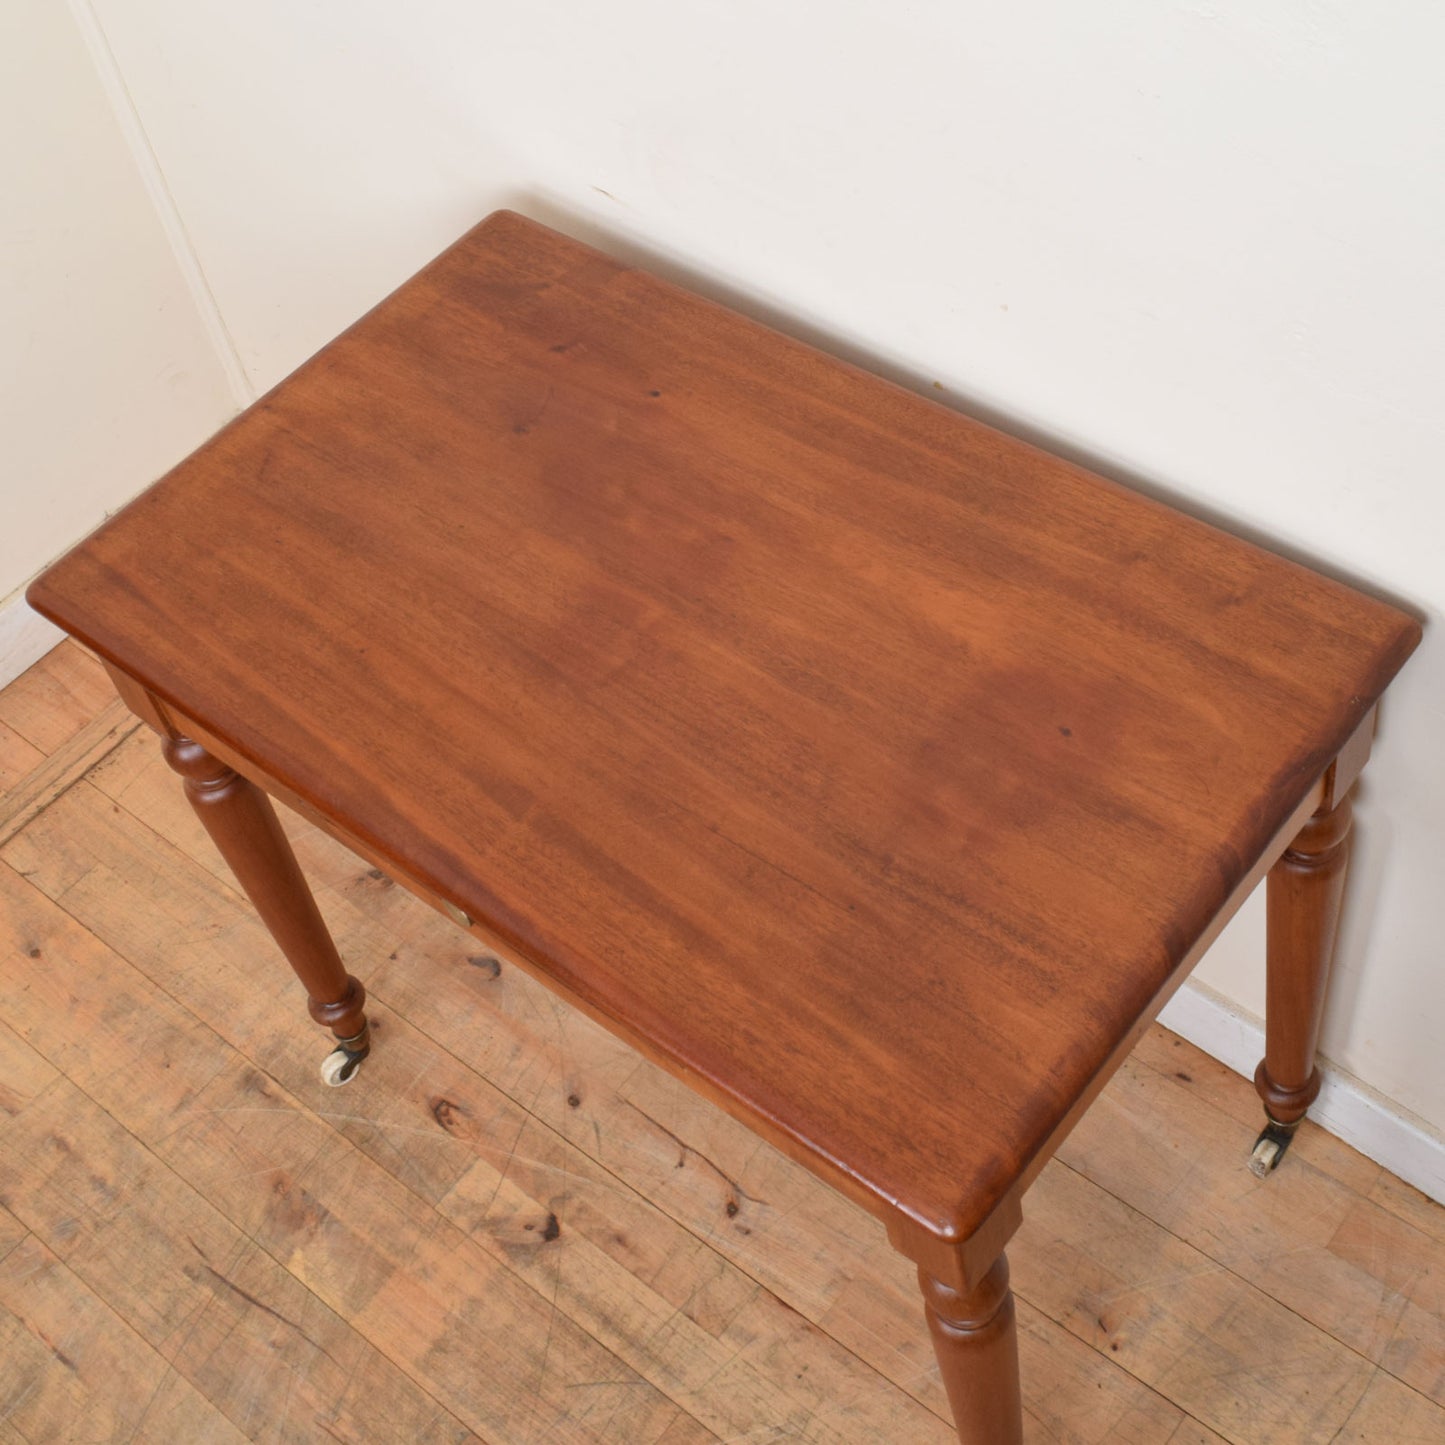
(1269, 1149)
(340, 1065)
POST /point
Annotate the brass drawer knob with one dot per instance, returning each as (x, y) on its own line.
(455, 914)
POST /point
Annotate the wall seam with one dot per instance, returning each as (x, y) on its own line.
(148, 164)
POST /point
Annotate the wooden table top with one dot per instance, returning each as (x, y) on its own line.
(871, 768)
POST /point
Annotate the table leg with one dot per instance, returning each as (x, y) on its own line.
(976, 1341)
(244, 827)
(1303, 901)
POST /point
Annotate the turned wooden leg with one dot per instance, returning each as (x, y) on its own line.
(244, 827)
(976, 1341)
(1303, 900)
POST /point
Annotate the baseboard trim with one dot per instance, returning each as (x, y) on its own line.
(1378, 1127)
(25, 637)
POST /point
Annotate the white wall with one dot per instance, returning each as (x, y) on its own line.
(107, 374)
(1199, 243)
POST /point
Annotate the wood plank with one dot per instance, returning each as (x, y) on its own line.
(248, 1336)
(1406, 1202)
(435, 1300)
(24, 1074)
(138, 763)
(1228, 1354)
(53, 699)
(12, 1231)
(408, 1281)
(33, 793)
(718, 1343)
(17, 757)
(1407, 1268)
(1390, 1411)
(1191, 1432)
(1332, 1255)
(75, 1371)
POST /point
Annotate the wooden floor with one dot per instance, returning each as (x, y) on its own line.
(511, 1228)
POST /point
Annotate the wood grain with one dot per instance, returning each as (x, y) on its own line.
(975, 1338)
(24, 1076)
(227, 1318)
(48, 777)
(242, 823)
(867, 765)
(1305, 890)
(408, 1282)
(51, 701)
(17, 758)
(73, 1370)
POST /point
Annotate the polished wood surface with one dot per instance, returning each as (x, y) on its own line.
(377, 1264)
(247, 834)
(1304, 893)
(876, 768)
(975, 1337)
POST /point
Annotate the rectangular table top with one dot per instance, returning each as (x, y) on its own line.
(874, 768)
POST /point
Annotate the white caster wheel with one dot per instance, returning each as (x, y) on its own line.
(340, 1065)
(1264, 1158)
(1269, 1149)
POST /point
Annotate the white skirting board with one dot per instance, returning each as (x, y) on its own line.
(1380, 1129)
(25, 637)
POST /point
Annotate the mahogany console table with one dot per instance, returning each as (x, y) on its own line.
(876, 773)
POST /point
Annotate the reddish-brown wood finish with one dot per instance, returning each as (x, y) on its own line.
(975, 1338)
(1303, 903)
(876, 770)
(244, 827)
